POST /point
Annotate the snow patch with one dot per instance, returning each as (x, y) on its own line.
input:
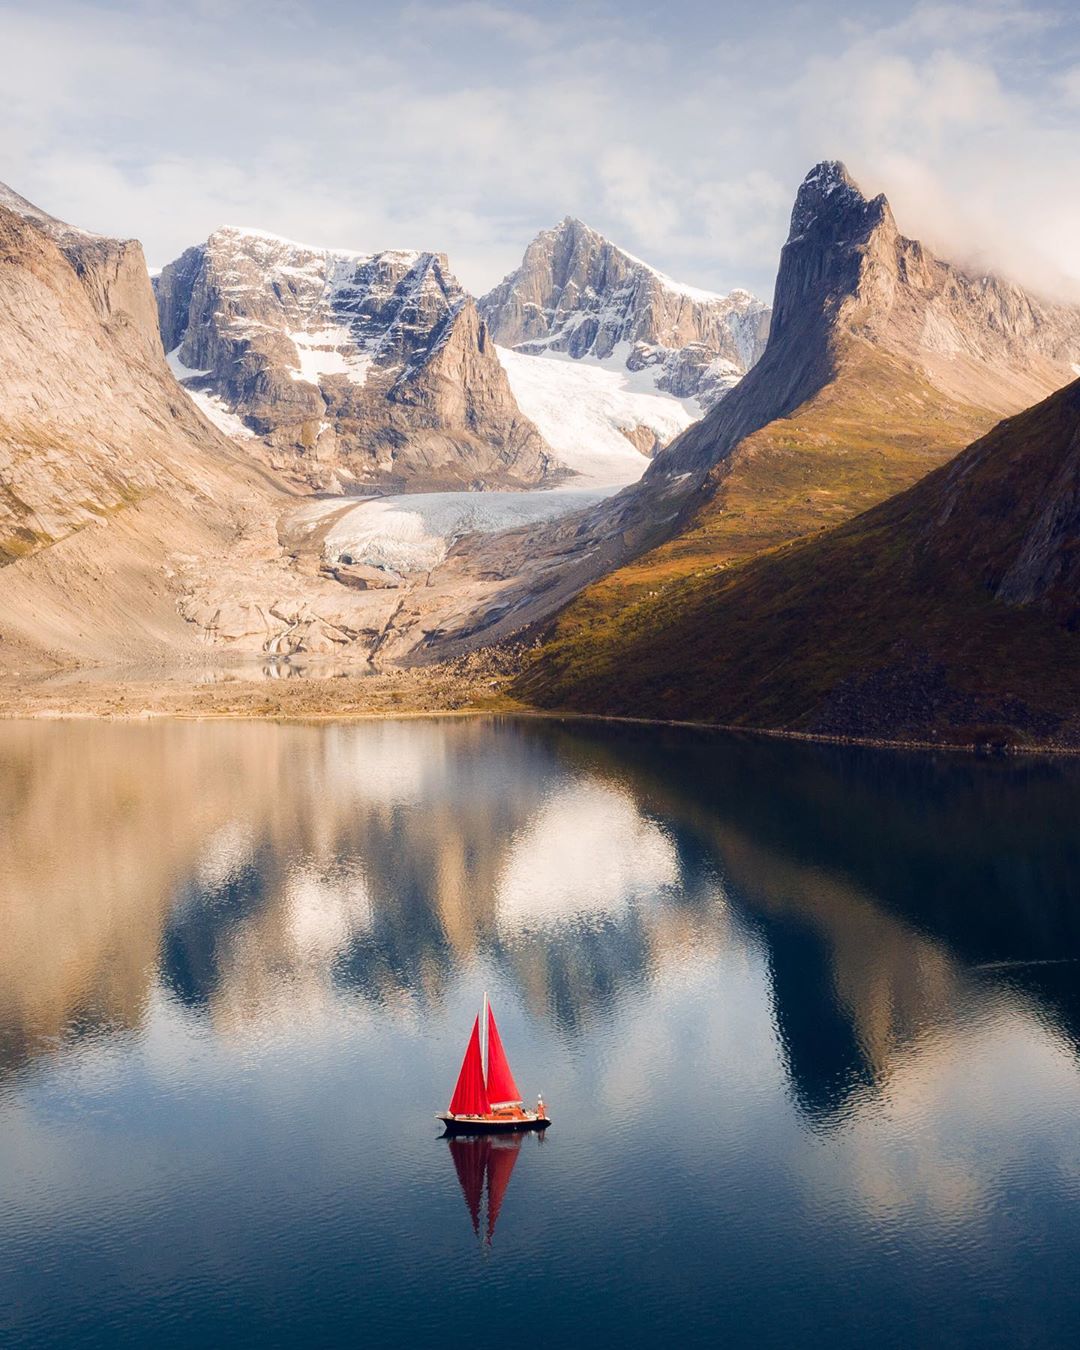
(329, 351)
(214, 409)
(583, 407)
(182, 372)
(679, 287)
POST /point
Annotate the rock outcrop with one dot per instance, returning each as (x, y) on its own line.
(576, 292)
(346, 370)
(105, 465)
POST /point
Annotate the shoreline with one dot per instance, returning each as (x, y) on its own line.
(396, 694)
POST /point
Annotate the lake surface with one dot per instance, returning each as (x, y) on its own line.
(807, 1020)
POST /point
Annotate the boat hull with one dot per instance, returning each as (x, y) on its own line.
(528, 1120)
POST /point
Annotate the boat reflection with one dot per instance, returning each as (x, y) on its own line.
(484, 1164)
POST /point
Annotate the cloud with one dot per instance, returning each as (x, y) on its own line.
(974, 158)
(468, 126)
(639, 192)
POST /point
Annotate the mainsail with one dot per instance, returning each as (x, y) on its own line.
(501, 1088)
(470, 1095)
(485, 1080)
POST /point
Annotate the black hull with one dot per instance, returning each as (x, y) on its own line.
(477, 1125)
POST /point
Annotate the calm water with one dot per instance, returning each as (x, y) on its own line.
(807, 1021)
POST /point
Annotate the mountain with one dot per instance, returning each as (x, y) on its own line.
(850, 283)
(105, 466)
(131, 529)
(949, 612)
(577, 293)
(882, 363)
(346, 369)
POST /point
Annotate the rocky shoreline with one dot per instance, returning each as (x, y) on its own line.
(465, 688)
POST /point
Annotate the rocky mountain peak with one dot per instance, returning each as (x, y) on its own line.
(848, 280)
(578, 293)
(828, 192)
(837, 238)
(342, 367)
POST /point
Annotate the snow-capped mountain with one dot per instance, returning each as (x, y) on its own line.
(349, 368)
(577, 293)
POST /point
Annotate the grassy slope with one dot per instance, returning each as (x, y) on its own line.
(871, 433)
(881, 626)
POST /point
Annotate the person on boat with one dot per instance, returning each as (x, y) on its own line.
(540, 1106)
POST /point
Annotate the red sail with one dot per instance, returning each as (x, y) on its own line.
(470, 1096)
(501, 1088)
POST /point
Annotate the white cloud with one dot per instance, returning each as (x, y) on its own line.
(468, 126)
(973, 161)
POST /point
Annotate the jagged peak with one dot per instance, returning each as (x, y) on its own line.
(229, 236)
(574, 227)
(828, 192)
(829, 174)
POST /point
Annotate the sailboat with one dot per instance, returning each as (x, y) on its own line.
(486, 1097)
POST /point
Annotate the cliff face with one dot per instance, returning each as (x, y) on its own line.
(105, 465)
(90, 418)
(348, 369)
(848, 279)
(112, 272)
(576, 292)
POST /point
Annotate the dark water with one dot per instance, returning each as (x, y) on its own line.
(807, 1021)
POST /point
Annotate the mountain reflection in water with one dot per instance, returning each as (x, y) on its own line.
(724, 953)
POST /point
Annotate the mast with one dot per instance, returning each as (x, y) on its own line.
(484, 1036)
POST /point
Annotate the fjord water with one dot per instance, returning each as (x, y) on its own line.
(807, 1020)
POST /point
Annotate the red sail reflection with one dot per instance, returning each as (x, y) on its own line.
(480, 1158)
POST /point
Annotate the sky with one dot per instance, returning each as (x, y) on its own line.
(680, 129)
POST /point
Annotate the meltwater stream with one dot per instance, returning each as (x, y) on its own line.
(807, 1021)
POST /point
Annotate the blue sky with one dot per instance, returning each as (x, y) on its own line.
(679, 129)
